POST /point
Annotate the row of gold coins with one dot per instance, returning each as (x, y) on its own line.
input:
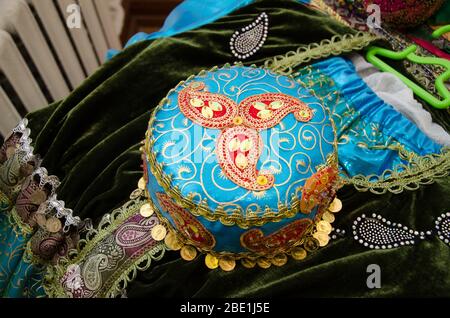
(323, 227)
(227, 263)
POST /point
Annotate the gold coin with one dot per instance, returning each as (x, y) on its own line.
(227, 263)
(172, 241)
(263, 262)
(40, 219)
(38, 197)
(279, 260)
(323, 238)
(328, 217)
(26, 169)
(335, 206)
(146, 210)
(298, 253)
(248, 263)
(311, 244)
(211, 261)
(188, 252)
(323, 226)
(141, 184)
(159, 232)
(10, 151)
(53, 225)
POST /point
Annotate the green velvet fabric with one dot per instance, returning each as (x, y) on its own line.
(337, 270)
(91, 141)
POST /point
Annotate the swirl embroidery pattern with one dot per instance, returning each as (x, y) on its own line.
(239, 145)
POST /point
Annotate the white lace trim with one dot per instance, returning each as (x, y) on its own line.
(25, 151)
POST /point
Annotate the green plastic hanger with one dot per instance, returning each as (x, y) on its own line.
(409, 53)
(442, 30)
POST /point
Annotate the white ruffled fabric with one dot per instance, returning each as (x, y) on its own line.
(395, 93)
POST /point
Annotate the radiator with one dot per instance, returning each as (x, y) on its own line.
(41, 58)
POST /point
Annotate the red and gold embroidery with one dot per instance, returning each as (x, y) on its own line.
(267, 110)
(238, 150)
(186, 223)
(318, 188)
(206, 109)
(279, 241)
(239, 144)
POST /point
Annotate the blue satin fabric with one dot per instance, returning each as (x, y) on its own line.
(188, 15)
(292, 151)
(362, 119)
(18, 277)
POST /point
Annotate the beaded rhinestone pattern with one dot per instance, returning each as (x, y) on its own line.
(443, 227)
(247, 41)
(376, 232)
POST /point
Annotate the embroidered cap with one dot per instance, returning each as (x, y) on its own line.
(241, 164)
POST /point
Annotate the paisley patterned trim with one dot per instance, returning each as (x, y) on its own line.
(24, 153)
(219, 214)
(206, 109)
(30, 201)
(109, 257)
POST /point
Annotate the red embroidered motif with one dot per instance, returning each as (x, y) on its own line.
(317, 188)
(239, 144)
(186, 223)
(279, 241)
(206, 109)
(238, 150)
(267, 110)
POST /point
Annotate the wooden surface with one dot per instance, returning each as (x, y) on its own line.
(145, 16)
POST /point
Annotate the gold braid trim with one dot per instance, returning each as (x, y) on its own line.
(21, 227)
(419, 170)
(337, 45)
(330, 11)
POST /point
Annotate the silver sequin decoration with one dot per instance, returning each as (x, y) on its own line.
(247, 41)
(443, 227)
(378, 233)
